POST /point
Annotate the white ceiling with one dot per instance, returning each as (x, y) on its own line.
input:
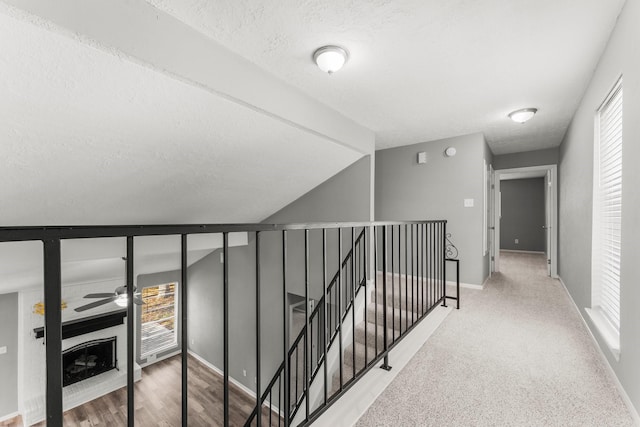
(422, 70)
(90, 137)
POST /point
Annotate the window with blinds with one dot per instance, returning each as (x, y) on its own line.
(608, 209)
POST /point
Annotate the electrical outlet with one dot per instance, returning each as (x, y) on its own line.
(517, 241)
(244, 372)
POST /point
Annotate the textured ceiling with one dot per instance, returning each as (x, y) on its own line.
(89, 137)
(422, 70)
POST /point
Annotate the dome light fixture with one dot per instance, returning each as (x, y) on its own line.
(522, 115)
(330, 58)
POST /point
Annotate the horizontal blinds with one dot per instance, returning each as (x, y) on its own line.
(610, 205)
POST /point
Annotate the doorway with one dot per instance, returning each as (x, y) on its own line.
(548, 173)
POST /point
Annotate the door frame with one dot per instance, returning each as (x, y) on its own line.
(551, 211)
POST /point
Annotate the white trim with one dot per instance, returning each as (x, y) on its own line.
(553, 256)
(10, 416)
(232, 380)
(346, 411)
(606, 330)
(161, 358)
(467, 285)
(214, 368)
(517, 251)
(609, 368)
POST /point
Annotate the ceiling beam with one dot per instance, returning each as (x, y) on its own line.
(139, 32)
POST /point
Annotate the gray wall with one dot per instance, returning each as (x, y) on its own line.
(406, 190)
(527, 158)
(344, 197)
(523, 215)
(9, 361)
(576, 166)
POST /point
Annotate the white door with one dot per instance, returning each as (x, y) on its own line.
(492, 219)
(548, 206)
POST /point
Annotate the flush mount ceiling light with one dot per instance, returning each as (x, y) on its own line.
(330, 58)
(522, 115)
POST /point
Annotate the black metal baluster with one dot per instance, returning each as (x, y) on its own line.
(430, 296)
(366, 303)
(424, 281)
(307, 323)
(340, 305)
(130, 344)
(406, 277)
(285, 311)
(375, 285)
(53, 332)
(399, 280)
(225, 257)
(385, 364)
(413, 279)
(353, 299)
(258, 333)
(393, 300)
(185, 338)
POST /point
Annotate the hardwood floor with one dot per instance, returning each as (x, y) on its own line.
(158, 400)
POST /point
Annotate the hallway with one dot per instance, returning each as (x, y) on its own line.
(516, 353)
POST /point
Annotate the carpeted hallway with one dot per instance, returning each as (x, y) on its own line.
(515, 354)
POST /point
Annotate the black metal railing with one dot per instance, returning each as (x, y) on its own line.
(386, 277)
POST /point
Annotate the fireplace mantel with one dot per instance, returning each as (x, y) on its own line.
(85, 325)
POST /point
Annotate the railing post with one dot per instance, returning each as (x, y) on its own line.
(353, 299)
(385, 365)
(325, 315)
(225, 257)
(185, 339)
(258, 332)
(443, 232)
(339, 309)
(307, 324)
(285, 312)
(130, 323)
(53, 330)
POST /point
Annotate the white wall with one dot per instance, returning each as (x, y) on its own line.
(621, 56)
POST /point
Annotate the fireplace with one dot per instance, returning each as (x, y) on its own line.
(88, 359)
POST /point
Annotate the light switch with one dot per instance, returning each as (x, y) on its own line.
(468, 203)
(3, 349)
(422, 157)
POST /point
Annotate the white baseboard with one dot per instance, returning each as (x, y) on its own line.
(612, 373)
(517, 251)
(214, 368)
(8, 417)
(466, 285)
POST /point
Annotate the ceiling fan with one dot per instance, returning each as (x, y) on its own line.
(119, 296)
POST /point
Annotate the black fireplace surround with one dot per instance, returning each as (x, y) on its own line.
(88, 359)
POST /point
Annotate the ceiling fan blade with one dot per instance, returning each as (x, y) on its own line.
(138, 300)
(99, 295)
(96, 304)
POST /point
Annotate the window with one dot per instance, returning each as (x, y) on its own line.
(158, 319)
(607, 216)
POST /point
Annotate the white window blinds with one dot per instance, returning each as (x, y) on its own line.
(608, 207)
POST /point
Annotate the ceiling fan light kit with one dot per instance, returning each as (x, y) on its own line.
(119, 296)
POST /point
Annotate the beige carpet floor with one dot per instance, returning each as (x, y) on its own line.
(515, 354)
